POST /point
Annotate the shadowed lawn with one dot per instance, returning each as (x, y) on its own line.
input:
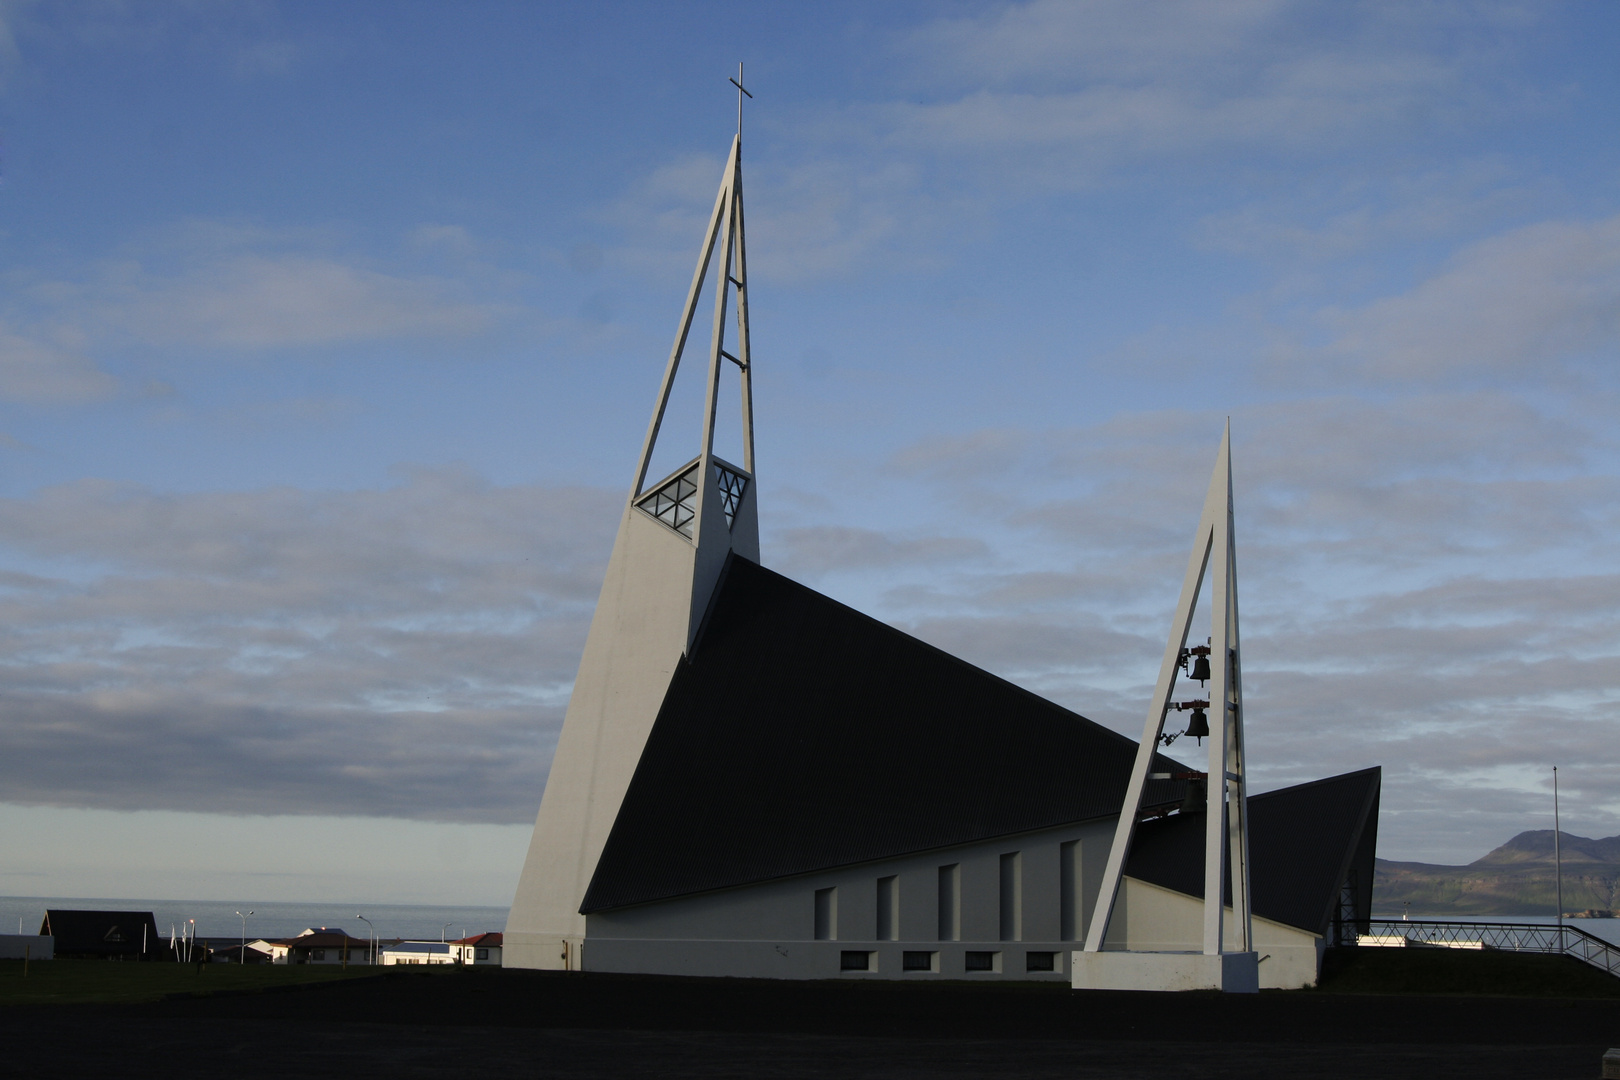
(1463, 971)
(70, 982)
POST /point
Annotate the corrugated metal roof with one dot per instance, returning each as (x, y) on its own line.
(801, 735)
(1302, 842)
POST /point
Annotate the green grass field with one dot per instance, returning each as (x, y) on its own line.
(72, 982)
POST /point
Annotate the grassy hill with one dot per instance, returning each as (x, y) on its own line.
(1517, 878)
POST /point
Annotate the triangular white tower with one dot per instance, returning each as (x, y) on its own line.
(674, 536)
(1223, 964)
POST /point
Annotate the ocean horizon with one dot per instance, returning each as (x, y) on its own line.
(218, 919)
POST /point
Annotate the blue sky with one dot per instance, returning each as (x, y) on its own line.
(328, 334)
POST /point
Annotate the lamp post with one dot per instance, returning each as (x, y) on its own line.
(243, 957)
(1558, 861)
(442, 929)
(373, 930)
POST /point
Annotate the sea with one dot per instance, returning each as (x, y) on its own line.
(219, 920)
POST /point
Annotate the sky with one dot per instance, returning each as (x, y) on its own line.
(329, 334)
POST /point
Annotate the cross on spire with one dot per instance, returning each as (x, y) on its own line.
(741, 90)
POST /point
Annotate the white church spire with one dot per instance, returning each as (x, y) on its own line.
(675, 533)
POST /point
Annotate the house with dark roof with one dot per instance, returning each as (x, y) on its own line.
(105, 935)
(316, 945)
(755, 780)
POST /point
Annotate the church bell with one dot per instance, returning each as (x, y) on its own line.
(1198, 724)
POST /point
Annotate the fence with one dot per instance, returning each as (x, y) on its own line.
(1508, 937)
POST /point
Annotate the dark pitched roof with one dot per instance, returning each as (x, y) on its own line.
(1303, 840)
(322, 938)
(101, 933)
(801, 735)
(492, 939)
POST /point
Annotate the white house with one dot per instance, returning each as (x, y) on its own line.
(420, 952)
(480, 949)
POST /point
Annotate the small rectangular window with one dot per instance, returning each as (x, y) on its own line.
(979, 961)
(950, 908)
(483, 954)
(888, 909)
(317, 954)
(854, 960)
(827, 914)
(919, 961)
(1040, 961)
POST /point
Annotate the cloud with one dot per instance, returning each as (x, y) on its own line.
(405, 652)
(818, 549)
(252, 300)
(1076, 90)
(215, 288)
(35, 372)
(1520, 303)
(1428, 584)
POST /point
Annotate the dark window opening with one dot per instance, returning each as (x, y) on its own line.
(980, 961)
(483, 954)
(853, 960)
(917, 961)
(1040, 961)
(827, 914)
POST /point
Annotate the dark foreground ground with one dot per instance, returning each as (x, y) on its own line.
(491, 1023)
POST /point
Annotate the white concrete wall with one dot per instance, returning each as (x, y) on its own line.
(1150, 918)
(656, 590)
(768, 930)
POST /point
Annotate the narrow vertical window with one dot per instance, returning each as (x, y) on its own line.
(1012, 897)
(950, 903)
(888, 909)
(827, 914)
(1069, 890)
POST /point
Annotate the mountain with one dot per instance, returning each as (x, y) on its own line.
(1518, 878)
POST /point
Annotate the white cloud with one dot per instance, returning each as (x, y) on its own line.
(1075, 90)
(254, 301)
(1520, 303)
(404, 652)
(36, 372)
(1428, 584)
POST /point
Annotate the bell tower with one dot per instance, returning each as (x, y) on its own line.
(1227, 960)
(674, 535)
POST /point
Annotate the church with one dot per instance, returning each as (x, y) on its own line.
(754, 780)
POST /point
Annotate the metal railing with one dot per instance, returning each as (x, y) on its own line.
(1563, 940)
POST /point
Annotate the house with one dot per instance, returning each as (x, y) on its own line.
(317, 945)
(254, 952)
(420, 952)
(105, 935)
(480, 949)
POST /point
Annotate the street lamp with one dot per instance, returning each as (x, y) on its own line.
(373, 930)
(442, 929)
(243, 958)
